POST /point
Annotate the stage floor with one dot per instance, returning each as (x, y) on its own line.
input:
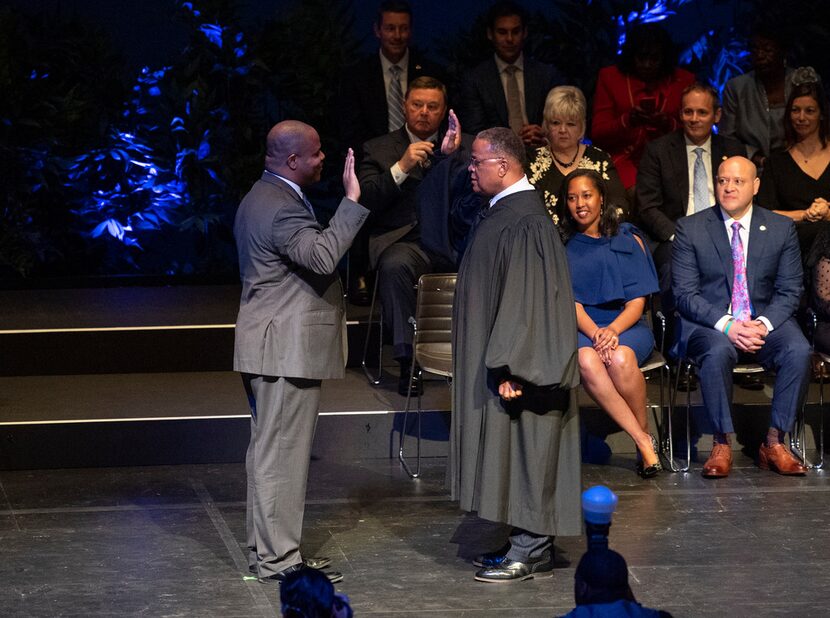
(168, 541)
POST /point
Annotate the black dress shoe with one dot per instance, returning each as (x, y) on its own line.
(410, 384)
(491, 559)
(277, 578)
(318, 562)
(513, 571)
(751, 382)
(684, 384)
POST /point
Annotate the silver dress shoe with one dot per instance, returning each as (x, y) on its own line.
(513, 571)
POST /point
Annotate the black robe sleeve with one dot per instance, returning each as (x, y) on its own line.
(536, 306)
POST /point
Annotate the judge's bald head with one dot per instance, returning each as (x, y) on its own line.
(292, 150)
(497, 161)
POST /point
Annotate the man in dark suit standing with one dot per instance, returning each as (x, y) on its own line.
(677, 174)
(737, 280)
(369, 86)
(509, 89)
(290, 335)
(392, 168)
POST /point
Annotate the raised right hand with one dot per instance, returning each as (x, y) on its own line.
(350, 184)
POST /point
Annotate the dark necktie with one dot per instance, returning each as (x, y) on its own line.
(309, 206)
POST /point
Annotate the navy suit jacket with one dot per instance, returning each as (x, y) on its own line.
(663, 180)
(483, 102)
(361, 101)
(702, 270)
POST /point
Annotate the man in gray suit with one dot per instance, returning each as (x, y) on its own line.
(290, 335)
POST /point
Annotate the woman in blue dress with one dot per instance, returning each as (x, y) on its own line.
(612, 275)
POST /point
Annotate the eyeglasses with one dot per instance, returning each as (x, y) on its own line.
(477, 162)
(738, 182)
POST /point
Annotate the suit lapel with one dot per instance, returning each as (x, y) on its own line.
(757, 245)
(378, 87)
(717, 232)
(532, 86)
(494, 85)
(680, 162)
(717, 157)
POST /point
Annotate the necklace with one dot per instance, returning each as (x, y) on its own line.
(566, 165)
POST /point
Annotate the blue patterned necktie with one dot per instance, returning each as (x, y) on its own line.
(395, 99)
(701, 186)
(741, 305)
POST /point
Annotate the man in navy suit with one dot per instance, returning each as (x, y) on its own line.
(486, 90)
(725, 318)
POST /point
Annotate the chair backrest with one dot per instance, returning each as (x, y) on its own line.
(433, 323)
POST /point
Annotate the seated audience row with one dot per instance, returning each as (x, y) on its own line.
(663, 148)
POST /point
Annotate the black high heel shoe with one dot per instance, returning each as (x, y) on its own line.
(649, 472)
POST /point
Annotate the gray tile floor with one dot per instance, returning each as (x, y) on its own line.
(167, 541)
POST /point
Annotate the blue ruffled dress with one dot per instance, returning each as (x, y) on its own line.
(607, 273)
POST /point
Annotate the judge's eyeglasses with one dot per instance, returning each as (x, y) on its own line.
(477, 162)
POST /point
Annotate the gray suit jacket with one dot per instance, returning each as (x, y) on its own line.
(291, 319)
(746, 114)
(663, 180)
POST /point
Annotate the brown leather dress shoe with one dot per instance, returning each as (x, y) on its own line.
(778, 458)
(719, 463)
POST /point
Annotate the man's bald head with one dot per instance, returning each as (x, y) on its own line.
(292, 150)
(737, 185)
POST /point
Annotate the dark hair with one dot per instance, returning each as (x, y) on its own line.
(425, 82)
(765, 29)
(506, 8)
(601, 577)
(306, 593)
(393, 6)
(807, 89)
(705, 89)
(647, 36)
(504, 142)
(609, 219)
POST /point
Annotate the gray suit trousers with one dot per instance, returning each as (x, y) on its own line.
(283, 419)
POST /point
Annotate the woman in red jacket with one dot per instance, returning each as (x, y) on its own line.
(638, 99)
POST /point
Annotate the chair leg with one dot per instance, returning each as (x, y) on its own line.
(374, 379)
(820, 455)
(662, 424)
(401, 456)
(674, 466)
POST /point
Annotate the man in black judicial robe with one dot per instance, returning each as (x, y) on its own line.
(514, 454)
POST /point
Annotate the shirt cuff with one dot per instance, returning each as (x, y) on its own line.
(766, 322)
(720, 324)
(398, 175)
